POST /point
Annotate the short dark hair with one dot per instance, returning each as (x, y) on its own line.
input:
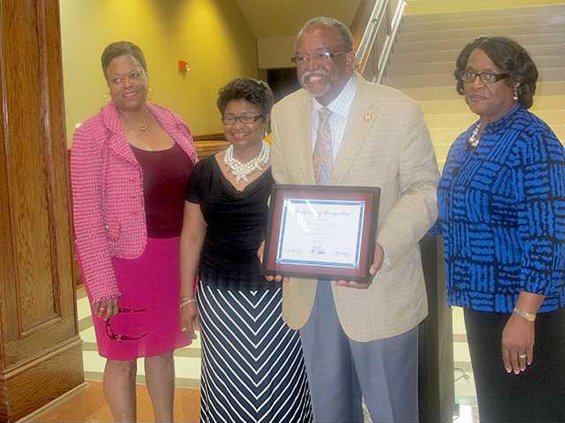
(252, 90)
(507, 55)
(344, 31)
(121, 48)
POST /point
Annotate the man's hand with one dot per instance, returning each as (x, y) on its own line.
(375, 267)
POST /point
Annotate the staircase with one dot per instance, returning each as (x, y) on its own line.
(423, 61)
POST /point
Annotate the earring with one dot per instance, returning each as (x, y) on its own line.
(149, 93)
(515, 97)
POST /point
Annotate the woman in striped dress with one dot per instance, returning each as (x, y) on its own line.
(252, 365)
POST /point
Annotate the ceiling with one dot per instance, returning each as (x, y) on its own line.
(283, 18)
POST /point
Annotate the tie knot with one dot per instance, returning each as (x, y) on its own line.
(324, 114)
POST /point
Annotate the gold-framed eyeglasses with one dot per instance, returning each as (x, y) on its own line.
(245, 119)
(322, 56)
(486, 77)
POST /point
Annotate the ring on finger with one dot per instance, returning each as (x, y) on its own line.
(522, 356)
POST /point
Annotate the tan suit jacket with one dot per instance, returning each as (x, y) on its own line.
(385, 144)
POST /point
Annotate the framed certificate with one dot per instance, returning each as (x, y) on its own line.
(321, 232)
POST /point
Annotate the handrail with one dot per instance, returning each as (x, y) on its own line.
(382, 27)
(387, 47)
(370, 34)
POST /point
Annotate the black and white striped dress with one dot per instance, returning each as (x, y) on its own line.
(252, 367)
(252, 364)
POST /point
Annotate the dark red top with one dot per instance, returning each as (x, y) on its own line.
(165, 181)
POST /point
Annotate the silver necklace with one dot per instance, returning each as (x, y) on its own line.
(242, 170)
(474, 139)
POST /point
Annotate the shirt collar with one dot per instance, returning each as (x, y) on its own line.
(342, 103)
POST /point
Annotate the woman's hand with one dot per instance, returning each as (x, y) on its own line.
(518, 344)
(190, 322)
(106, 308)
(270, 278)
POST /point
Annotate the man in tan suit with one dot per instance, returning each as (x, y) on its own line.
(360, 340)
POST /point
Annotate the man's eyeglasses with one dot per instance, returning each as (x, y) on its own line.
(245, 119)
(322, 56)
(118, 337)
(486, 77)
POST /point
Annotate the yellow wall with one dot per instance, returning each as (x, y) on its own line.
(419, 7)
(211, 34)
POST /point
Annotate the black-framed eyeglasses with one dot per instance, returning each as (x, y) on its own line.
(322, 56)
(245, 119)
(486, 77)
(119, 337)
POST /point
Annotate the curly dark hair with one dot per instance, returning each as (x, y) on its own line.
(121, 48)
(252, 90)
(507, 55)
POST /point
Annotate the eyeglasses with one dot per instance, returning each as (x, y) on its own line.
(245, 119)
(132, 76)
(486, 77)
(117, 337)
(323, 56)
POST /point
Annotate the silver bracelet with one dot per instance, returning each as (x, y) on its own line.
(528, 316)
(185, 301)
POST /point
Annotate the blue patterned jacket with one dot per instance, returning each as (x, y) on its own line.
(502, 215)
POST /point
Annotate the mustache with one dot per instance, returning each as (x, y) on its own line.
(309, 74)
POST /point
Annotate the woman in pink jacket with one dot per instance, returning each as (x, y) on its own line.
(130, 166)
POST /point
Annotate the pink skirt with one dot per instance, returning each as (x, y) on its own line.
(149, 321)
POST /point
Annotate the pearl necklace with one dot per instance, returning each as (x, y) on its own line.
(474, 139)
(241, 170)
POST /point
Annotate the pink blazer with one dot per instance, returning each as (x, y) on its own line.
(107, 188)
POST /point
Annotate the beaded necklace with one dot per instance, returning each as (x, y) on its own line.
(242, 170)
(474, 139)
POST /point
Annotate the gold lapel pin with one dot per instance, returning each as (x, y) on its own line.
(368, 116)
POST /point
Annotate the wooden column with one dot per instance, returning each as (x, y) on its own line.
(40, 350)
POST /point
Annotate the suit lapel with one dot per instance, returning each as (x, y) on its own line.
(302, 141)
(362, 116)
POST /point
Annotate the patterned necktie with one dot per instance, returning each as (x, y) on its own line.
(322, 157)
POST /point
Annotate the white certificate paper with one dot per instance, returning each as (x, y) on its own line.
(321, 233)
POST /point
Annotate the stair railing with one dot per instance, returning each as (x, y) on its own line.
(378, 36)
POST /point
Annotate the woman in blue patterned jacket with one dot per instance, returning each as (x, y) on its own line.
(502, 215)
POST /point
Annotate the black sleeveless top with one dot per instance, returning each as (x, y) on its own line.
(236, 220)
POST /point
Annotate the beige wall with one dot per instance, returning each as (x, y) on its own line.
(417, 7)
(211, 34)
(275, 52)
